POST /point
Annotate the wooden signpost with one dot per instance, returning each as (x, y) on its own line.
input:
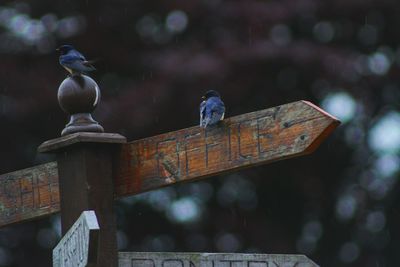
(243, 141)
(78, 247)
(93, 169)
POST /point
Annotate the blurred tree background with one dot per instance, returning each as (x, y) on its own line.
(339, 206)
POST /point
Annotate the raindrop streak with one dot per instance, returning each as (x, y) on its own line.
(368, 35)
(250, 41)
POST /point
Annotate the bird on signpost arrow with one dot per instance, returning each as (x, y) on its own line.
(73, 61)
(212, 109)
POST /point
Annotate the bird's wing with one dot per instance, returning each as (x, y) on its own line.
(215, 110)
(89, 64)
(67, 59)
(202, 113)
(77, 55)
(215, 105)
(77, 66)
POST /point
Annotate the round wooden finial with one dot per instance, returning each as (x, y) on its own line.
(78, 96)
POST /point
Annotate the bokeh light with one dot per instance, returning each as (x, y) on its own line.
(176, 21)
(281, 34)
(235, 189)
(312, 232)
(349, 252)
(340, 104)
(379, 63)
(346, 207)
(47, 238)
(384, 136)
(227, 242)
(184, 210)
(5, 257)
(375, 221)
(324, 31)
(196, 242)
(37, 33)
(163, 242)
(122, 240)
(387, 165)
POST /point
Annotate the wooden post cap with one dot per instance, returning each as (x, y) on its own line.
(78, 96)
(63, 142)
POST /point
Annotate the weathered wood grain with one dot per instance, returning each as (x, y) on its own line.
(239, 142)
(193, 259)
(185, 155)
(79, 245)
(86, 183)
(75, 138)
(29, 193)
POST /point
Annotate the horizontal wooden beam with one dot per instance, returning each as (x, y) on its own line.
(29, 194)
(239, 142)
(185, 155)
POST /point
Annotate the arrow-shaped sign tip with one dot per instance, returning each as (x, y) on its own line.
(327, 125)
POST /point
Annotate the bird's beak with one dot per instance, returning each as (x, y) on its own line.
(57, 49)
(203, 97)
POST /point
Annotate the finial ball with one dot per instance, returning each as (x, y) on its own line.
(78, 94)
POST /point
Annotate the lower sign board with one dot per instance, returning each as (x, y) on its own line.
(172, 259)
(78, 247)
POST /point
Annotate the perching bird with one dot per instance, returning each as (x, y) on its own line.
(212, 109)
(73, 61)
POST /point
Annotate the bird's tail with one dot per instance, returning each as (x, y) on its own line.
(88, 65)
(205, 122)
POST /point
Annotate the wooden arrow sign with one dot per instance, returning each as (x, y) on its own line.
(189, 154)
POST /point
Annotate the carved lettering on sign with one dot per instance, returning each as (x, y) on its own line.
(193, 153)
(238, 142)
(29, 192)
(170, 259)
(73, 249)
(168, 163)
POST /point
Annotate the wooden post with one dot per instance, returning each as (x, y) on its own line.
(85, 177)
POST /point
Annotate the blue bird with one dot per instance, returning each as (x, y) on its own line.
(73, 61)
(212, 109)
